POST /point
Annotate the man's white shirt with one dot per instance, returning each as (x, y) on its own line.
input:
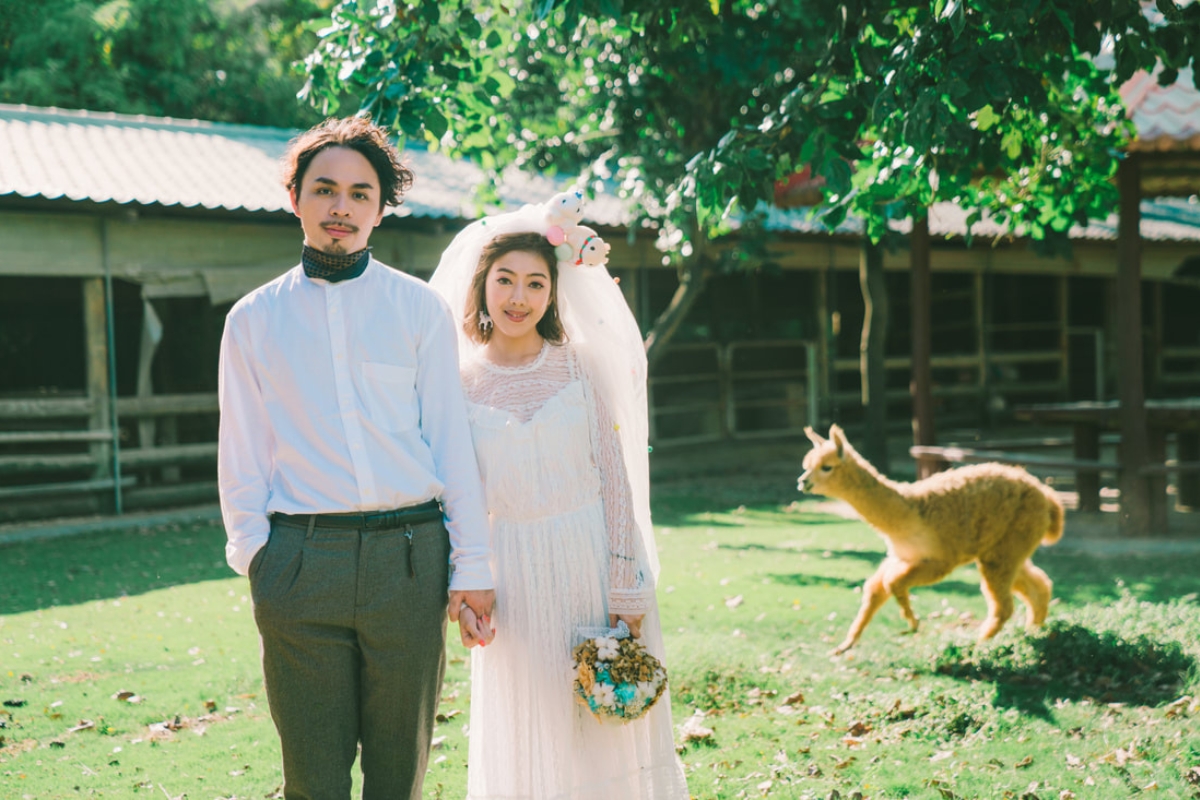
(344, 397)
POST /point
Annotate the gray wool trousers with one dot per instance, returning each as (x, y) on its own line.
(353, 627)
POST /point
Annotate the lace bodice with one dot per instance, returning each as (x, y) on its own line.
(547, 447)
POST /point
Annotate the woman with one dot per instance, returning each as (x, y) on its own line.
(554, 372)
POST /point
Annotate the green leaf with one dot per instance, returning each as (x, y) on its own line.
(985, 118)
(436, 124)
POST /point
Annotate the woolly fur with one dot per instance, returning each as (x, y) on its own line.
(993, 514)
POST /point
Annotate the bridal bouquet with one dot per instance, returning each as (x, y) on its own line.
(615, 677)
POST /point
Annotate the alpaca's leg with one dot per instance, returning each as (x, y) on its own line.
(997, 586)
(903, 576)
(874, 595)
(1034, 588)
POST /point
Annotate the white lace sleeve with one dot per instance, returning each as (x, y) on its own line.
(631, 587)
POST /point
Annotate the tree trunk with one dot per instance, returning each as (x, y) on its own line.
(871, 353)
(922, 320)
(693, 277)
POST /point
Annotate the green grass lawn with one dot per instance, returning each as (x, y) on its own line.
(754, 592)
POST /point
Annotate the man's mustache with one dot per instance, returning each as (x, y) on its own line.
(343, 225)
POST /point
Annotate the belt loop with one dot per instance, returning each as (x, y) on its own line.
(312, 523)
(408, 534)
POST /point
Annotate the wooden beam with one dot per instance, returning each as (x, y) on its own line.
(47, 408)
(163, 405)
(1135, 517)
(56, 436)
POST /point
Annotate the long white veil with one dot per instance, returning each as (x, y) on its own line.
(595, 316)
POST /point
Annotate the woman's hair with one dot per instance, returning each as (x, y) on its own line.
(360, 135)
(549, 326)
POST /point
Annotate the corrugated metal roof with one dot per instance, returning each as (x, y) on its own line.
(1165, 219)
(106, 157)
(1166, 117)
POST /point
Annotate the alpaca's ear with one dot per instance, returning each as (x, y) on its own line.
(839, 439)
(813, 436)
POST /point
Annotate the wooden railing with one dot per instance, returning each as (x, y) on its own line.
(72, 461)
(707, 392)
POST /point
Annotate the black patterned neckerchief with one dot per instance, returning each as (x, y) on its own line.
(334, 267)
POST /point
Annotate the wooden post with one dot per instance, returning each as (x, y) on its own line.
(922, 310)
(824, 357)
(981, 349)
(1135, 501)
(1188, 450)
(871, 353)
(95, 328)
(1087, 448)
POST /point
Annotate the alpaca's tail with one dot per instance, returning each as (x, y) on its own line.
(1055, 531)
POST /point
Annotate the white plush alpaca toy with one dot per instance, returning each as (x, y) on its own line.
(565, 209)
(587, 248)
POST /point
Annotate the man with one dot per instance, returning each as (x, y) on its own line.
(343, 425)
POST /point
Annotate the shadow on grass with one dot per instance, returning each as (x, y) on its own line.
(1073, 662)
(96, 566)
(806, 580)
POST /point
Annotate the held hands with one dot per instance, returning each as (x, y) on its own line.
(472, 610)
(634, 621)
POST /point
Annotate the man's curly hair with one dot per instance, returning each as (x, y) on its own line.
(358, 134)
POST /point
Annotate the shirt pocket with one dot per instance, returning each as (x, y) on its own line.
(390, 395)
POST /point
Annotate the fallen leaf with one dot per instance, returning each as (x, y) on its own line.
(84, 724)
(210, 706)
(127, 697)
(765, 786)
(858, 728)
(734, 602)
(437, 742)
(1178, 707)
(941, 755)
(693, 730)
(1023, 763)
(15, 703)
(56, 744)
(794, 699)
(1074, 762)
(1151, 786)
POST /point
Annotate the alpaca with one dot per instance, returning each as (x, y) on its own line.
(992, 514)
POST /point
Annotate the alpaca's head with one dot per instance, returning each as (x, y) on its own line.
(827, 464)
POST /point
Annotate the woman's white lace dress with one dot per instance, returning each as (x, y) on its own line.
(567, 552)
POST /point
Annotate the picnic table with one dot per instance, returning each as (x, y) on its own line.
(1163, 417)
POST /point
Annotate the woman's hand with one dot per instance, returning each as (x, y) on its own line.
(473, 630)
(634, 621)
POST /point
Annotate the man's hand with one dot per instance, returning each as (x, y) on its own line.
(480, 602)
(634, 621)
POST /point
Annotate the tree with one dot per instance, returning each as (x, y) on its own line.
(697, 111)
(181, 58)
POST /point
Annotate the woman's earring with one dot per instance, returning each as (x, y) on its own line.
(485, 322)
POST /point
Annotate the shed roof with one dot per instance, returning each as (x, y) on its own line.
(153, 161)
(105, 157)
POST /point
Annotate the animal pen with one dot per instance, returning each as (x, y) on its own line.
(127, 239)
